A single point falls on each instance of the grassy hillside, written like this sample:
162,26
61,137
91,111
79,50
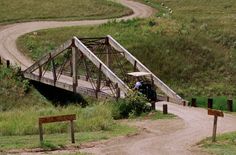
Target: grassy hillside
16,93
28,10
182,54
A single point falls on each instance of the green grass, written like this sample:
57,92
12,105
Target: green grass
15,92
24,121
225,145
55,141
155,115
219,102
30,10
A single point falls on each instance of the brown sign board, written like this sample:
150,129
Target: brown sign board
215,113
61,118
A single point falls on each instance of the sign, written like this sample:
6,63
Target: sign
62,118
215,113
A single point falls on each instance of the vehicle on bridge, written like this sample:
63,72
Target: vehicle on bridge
143,82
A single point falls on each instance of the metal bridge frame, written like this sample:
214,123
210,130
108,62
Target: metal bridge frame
36,72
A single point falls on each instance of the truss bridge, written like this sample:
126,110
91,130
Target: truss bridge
92,66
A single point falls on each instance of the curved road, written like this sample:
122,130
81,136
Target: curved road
10,33
168,137
177,137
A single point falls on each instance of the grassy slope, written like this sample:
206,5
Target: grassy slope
28,10
225,145
179,60
15,92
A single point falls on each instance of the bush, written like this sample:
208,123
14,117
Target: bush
134,104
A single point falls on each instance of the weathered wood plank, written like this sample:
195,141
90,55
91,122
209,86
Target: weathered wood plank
79,89
61,118
215,113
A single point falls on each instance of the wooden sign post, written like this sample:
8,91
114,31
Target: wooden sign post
52,119
216,114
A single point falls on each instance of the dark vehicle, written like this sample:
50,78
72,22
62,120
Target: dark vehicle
147,87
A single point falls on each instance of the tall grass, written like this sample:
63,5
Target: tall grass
16,92
25,121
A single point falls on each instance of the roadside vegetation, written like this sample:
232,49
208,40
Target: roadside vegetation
30,10
225,144
21,106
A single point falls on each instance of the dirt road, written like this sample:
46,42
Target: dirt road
10,33
159,137
169,137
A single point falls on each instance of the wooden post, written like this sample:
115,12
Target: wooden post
74,68
215,113
72,131
99,80
165,109
167,98
0,60
107,52
210,103
194,102
214,129
230,105
61,118
53,69
40,72
8,63
117,91
40,132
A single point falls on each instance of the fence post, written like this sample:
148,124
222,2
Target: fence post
40,132
8,63
165,109
72,131
230,105
210,103
167,98
194,104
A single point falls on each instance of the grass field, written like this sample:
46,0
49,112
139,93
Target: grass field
225,145
56,141
31,10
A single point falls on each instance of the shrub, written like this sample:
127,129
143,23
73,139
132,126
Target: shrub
134,104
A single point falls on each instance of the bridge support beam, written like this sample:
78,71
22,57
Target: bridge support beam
74,67
99,80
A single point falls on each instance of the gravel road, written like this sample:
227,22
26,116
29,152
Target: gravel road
159,137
